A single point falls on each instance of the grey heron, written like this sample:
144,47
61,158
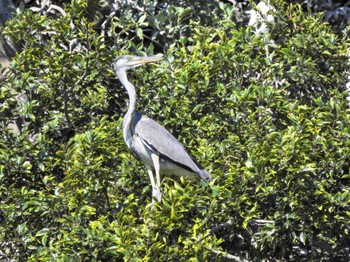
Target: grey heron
150,142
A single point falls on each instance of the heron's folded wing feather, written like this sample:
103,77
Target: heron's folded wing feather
162,143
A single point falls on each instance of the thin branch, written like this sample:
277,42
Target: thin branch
106,22
216,229
154,41
258,222
228,256
57,8
261,222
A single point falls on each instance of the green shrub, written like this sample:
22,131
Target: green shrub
266,115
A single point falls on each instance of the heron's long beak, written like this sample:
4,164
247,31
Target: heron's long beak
143,60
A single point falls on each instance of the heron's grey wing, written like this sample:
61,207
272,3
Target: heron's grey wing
162,143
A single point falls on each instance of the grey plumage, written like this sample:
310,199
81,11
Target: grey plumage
149,141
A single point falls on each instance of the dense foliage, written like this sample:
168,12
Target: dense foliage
265,114
336,12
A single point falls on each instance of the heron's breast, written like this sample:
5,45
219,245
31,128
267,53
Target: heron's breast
141,150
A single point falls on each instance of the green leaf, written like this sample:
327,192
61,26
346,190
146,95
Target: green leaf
139,32
302,237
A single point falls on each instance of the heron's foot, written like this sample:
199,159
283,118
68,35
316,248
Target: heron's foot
156,194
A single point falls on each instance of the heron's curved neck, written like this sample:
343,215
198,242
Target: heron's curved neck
132,101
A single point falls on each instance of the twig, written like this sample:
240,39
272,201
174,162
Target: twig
261,222
258,222
57,8
228,256
216,229
153,41
106,22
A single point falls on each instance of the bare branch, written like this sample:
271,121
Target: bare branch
260,222
106,22
57,8
216,229
228,256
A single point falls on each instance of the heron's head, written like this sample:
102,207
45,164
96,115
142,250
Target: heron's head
129,61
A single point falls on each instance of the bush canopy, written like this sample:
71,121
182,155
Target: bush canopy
265,114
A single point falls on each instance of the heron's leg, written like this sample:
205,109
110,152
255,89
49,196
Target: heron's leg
155,190
150,174
155,159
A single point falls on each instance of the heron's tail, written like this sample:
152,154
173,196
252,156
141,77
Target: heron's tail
204,174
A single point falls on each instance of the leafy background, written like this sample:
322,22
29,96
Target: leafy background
265,114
